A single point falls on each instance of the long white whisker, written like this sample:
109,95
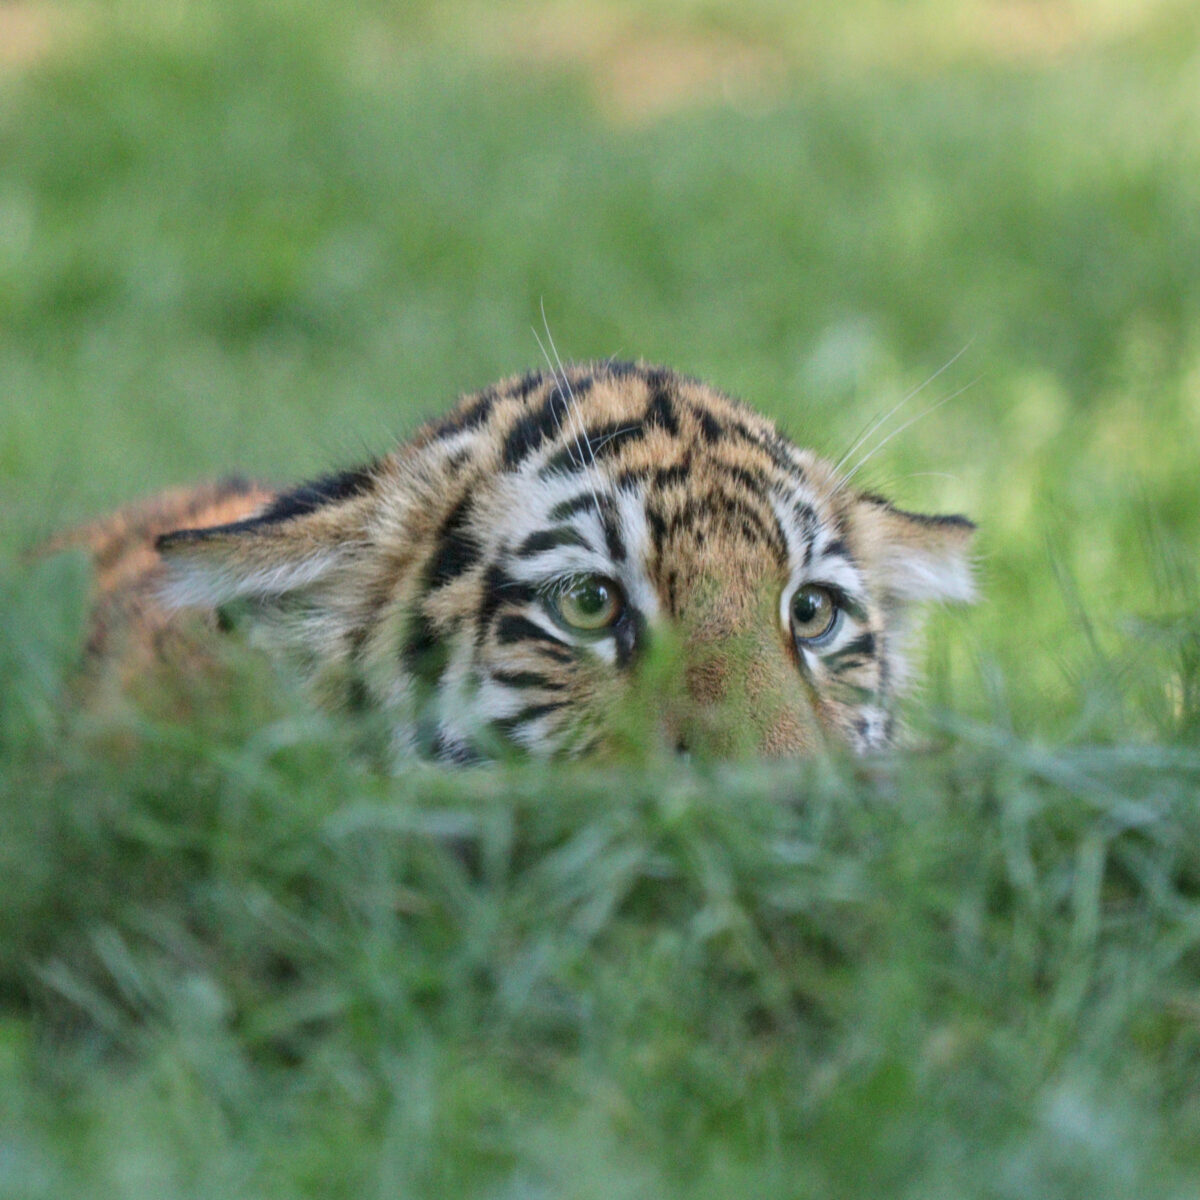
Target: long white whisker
560,380
564,388
888,483
891,412
862,462
924,475
609,437
563,375
577,430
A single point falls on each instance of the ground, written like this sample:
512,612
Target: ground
272,237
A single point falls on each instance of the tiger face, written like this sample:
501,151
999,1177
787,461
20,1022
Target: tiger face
511,576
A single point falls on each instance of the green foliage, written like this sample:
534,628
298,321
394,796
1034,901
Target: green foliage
270,237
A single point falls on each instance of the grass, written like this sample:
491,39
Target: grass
272,237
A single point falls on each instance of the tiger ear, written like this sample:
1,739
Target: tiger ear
301,540
917,558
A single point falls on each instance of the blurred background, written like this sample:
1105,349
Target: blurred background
271,236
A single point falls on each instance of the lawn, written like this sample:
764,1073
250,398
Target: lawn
271,237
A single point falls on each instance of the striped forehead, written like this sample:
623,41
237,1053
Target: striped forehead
598,468
819,544
562,524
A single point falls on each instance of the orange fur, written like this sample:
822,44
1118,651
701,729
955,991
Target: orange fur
129,625
423,585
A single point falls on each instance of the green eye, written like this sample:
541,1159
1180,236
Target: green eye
815,613
589,603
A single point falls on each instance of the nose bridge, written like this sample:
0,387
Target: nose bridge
739,687
721,646
720,592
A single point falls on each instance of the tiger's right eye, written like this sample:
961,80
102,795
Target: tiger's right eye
590,603
815,614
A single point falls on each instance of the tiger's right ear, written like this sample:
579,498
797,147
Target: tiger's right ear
301,540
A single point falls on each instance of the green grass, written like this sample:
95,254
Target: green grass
272,237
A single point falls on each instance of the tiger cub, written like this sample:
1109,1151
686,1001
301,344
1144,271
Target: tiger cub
507,579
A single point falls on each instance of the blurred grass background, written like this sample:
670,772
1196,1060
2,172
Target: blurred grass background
272,236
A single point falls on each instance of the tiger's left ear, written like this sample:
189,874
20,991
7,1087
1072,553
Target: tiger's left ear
298,545
916,558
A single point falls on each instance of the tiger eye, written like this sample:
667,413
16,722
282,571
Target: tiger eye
814,613
590,603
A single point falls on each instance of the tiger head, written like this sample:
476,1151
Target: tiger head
570,559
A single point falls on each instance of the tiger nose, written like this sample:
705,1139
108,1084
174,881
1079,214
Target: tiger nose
733,701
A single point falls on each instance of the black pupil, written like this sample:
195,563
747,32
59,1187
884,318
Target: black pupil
806,607
592,599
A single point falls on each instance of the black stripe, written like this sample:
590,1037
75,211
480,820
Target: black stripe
514,628
953,520
424,652
299,502
591,446
659,412
507,725
710,428
756,485
608,439
666,477
572,457
528,383
658,528
457,548
672,582
863,646
551,539
528,679
629,479
620,370
661,477
569,508
612,535
773,444
453,752
311,496
575,388
780,451
470,415
532,429
499,587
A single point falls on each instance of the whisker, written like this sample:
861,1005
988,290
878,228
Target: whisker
890,481
866,458
891,412
608,437
581,442
564,390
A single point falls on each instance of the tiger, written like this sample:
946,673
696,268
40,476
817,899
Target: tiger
569,558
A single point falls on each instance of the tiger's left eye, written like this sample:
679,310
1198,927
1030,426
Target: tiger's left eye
590,603
815,613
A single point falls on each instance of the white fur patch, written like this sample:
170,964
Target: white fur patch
919,576
197,583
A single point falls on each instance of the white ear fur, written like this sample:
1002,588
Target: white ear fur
293,544
210,579
918,575
917,558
